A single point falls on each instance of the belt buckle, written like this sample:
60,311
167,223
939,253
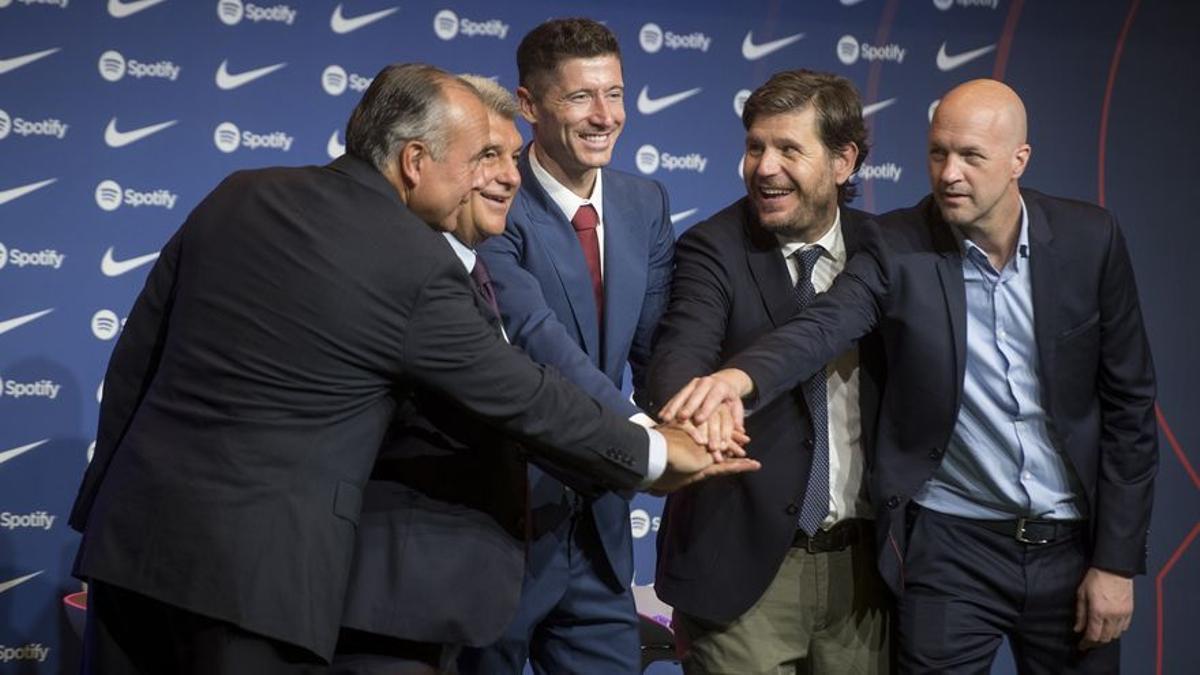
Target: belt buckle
808,543
1020,535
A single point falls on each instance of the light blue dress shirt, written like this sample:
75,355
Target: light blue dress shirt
1002,462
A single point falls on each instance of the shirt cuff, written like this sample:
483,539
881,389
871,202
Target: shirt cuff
643,420
657,461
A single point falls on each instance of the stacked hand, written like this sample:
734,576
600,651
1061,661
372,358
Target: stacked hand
705,429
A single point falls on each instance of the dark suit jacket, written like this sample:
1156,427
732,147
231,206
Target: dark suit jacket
545,294
722,542
249,393
1094,363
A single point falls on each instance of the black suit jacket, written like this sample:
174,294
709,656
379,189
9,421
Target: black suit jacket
722,542
1095,369
259,368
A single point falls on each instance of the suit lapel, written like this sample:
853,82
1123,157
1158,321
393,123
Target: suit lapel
625,269
950,273
1043,260
768,268
558,236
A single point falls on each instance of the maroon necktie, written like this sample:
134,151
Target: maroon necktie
585,222
483,282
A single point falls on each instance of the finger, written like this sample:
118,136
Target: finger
729,467
740,437
1095,628
716,440
739,414
669,410
727,423
715,396
694,398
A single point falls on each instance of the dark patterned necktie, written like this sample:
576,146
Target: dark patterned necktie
816,494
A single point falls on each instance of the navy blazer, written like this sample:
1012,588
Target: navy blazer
1094,363
722,541
545,294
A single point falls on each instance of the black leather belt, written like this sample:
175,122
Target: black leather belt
1036,532
837,538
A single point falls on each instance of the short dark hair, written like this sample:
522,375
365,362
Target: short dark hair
549,44
405,102
836,103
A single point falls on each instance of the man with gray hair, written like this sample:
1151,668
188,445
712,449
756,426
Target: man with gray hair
248,396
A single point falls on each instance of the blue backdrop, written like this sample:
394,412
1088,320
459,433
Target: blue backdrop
117,117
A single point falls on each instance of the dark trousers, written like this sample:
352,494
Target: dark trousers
571,618
967,587
129,633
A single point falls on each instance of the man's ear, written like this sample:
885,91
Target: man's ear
411,160
1021,160
843,162
526,101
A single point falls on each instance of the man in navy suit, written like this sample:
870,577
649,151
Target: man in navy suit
1016,445
582,275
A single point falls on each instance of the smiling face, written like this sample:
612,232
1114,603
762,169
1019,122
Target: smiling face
791,178
440,184
485,211
577,113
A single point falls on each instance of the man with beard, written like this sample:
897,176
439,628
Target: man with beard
1014,463
785,576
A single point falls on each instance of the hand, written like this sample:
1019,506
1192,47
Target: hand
721,433
701,397
1103,607
688,462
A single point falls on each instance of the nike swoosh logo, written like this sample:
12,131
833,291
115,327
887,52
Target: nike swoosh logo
16,452
227,80
120,10
946,62
117,139
335,148
753,52
17,192
13,583
869,110
649,106
10,64
676,217
342,25
18,321
115,268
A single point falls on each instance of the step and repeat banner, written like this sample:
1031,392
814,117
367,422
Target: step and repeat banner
118,116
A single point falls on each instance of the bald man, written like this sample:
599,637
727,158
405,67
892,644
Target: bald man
1016,444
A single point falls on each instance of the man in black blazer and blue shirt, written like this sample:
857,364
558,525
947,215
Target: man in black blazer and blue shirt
785,577
1016,445
260,366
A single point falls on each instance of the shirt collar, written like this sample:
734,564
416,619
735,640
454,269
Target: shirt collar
465,253
1020,255
832,241
567,201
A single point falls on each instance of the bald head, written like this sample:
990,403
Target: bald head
986,105
977,151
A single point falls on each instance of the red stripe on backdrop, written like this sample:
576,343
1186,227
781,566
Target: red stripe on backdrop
1006,38
1108,90
886,18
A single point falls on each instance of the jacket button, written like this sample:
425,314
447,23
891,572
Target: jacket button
893,502
935,453
808,443
792,509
